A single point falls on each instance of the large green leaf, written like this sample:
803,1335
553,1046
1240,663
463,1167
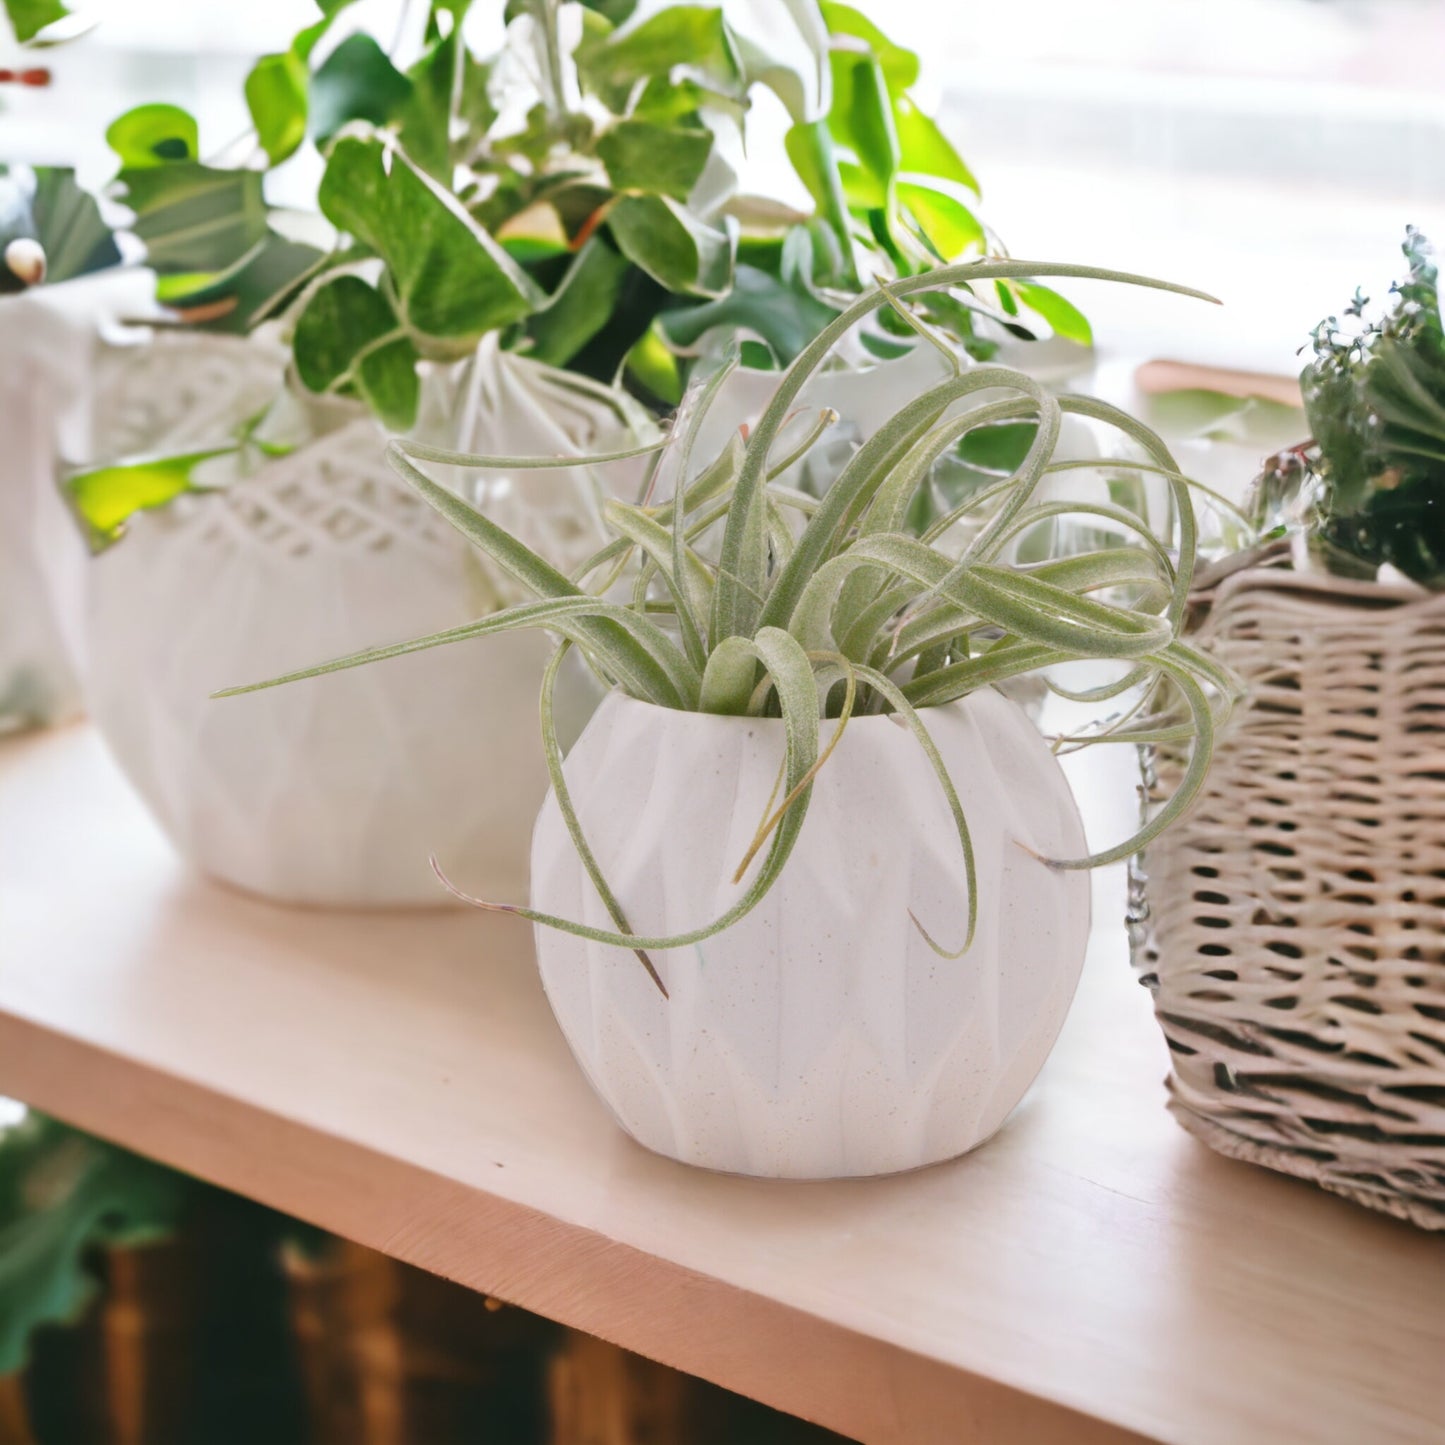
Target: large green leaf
672,245
357,81
276,97
654,159
349,338
29,17
154,135
61,1193
193,217
452,280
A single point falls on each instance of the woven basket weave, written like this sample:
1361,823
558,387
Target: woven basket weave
1292,926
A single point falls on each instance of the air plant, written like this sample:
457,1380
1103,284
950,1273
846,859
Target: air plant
750,598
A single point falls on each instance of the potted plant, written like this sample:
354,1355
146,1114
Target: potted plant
808,891
515,233
1289,928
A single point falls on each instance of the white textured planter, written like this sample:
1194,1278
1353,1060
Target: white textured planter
335,790
50,342
819,1036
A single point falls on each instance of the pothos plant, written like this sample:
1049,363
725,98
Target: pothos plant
1370,484
752,599
575,191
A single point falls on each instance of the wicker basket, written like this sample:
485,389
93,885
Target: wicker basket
1292,926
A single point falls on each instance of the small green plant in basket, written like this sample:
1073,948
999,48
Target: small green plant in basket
803,779
1369,486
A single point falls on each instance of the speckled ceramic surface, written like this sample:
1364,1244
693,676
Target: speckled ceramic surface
819,1036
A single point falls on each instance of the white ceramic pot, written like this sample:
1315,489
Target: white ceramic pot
337,790
50,341
819,1036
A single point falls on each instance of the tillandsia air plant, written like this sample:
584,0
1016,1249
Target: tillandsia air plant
1370,485
751,599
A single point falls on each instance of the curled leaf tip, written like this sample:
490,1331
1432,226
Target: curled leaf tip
938,948
465,897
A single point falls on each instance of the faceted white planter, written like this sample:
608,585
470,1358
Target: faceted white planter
50,341
336,790
819,1036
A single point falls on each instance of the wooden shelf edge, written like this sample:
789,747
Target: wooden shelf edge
821,1371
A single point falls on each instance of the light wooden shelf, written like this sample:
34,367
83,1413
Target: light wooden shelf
1091,1275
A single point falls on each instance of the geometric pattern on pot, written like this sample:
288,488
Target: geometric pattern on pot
819,1036
1290,926
176,390
334,791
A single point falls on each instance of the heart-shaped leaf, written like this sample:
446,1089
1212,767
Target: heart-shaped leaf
452,280
153,135
349,339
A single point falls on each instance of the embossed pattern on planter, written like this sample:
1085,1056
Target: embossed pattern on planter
820,1035
334,790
